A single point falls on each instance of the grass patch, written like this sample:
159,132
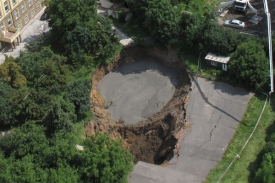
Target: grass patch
192,62
133,30
244,168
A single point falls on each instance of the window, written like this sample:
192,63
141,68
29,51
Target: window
16,14
38,7
2,27
30,3
19,26
32,13
14,2
9,21
23,7
213,63
6,5
26,20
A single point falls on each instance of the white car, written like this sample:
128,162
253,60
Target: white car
234,23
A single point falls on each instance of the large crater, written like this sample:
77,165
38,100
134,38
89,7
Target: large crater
139,97
136,91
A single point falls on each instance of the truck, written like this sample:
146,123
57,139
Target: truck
241,5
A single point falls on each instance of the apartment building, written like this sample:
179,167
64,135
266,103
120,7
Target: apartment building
14,15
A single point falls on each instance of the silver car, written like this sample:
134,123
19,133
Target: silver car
234,23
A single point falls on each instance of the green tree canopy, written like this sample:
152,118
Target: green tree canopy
44,69
27,155
80,32
78,94
159,18
67,14
6,114
249,64
60,116
11,73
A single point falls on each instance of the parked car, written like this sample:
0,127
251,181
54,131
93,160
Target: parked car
234,23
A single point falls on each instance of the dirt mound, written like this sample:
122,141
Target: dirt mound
155,139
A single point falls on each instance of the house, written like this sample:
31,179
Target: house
14,15
216,61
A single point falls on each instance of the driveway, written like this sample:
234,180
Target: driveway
29,33
215,110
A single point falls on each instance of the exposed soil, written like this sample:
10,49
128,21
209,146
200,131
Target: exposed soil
156,139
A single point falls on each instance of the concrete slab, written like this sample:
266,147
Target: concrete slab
215,110
145,172
138,90
255,19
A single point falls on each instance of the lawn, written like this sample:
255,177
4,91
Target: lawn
243,170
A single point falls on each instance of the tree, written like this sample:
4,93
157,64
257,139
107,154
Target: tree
27,155
265,173
29,104
67,14
87,42
11,73
78,94
249,65
60,116
159,18
103,160
81,34
44,70
6,116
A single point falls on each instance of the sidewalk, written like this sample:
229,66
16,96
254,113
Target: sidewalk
29,33
124,40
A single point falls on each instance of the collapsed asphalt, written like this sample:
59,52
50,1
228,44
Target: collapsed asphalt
136,91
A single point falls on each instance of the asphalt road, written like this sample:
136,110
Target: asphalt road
138,90
215,110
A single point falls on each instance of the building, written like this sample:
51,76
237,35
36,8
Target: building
215,61
14,15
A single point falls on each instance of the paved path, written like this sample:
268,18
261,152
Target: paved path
124,39
215,109
29,33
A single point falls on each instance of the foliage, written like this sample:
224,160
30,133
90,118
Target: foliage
30,105
249,65
159,18
84,43
6,116
24,159
220,40
11,73
44,69
78,94
67,14
60,116
81,33
265,173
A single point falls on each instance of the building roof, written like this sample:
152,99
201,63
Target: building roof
221,59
